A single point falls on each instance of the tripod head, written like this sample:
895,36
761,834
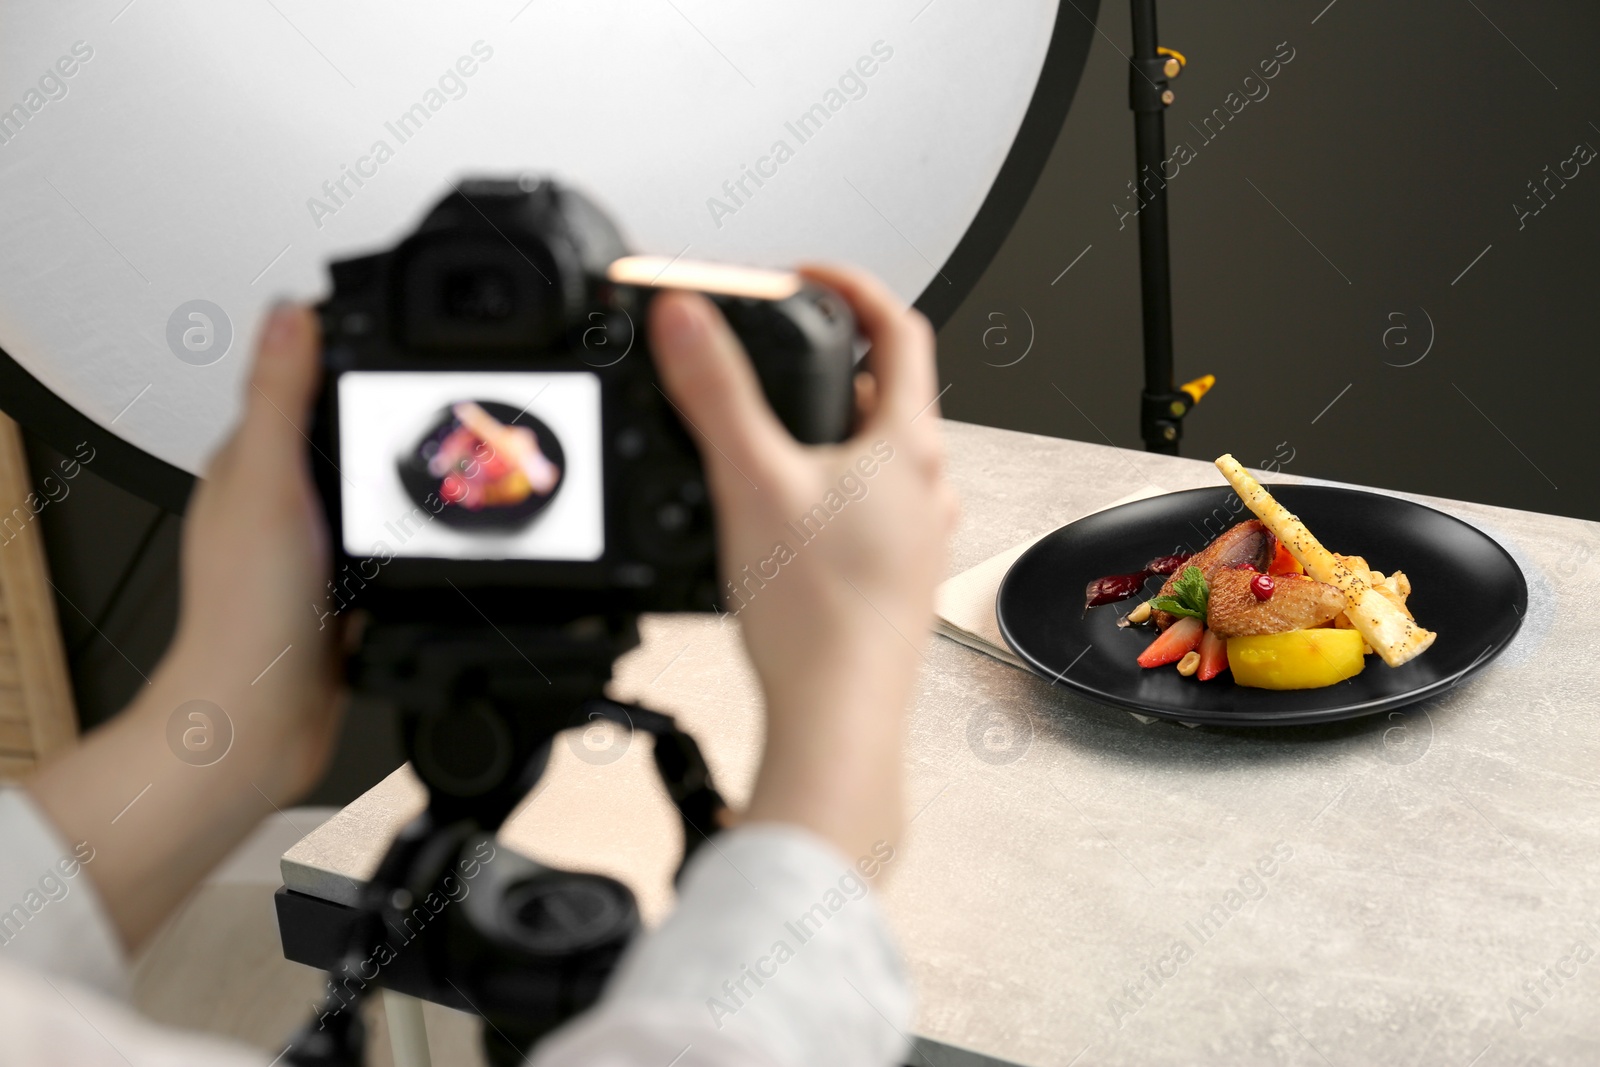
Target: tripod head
521,944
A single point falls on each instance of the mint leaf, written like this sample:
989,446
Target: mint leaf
1190,596
1171,606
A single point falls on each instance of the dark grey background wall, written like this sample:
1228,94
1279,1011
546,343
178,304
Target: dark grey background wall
1385,157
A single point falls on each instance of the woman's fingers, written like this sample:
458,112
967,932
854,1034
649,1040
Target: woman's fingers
901,357
283,381
277,402
707,376
866,390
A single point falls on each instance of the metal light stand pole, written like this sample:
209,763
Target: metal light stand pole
1162,405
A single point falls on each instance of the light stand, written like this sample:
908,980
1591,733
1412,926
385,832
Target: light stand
1162,406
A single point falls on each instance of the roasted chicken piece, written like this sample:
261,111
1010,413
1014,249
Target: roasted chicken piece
1296,603
1247,542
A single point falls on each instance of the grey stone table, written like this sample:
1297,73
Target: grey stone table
1078,888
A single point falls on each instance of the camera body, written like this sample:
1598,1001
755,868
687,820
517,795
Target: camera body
492,443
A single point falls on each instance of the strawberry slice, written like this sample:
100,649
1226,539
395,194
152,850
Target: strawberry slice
1182,636
1213,656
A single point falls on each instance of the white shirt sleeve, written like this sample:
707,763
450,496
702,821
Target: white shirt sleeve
776,956
51,919
62,970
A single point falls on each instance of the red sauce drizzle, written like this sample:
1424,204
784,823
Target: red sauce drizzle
1115,587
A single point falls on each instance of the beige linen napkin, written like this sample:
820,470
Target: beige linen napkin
964,605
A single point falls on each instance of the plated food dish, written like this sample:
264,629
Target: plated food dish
483,465
1246,605
1289,622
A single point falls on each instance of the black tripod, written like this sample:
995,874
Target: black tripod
523,945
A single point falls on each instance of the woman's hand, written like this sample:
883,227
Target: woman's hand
255,571
252,643
830,554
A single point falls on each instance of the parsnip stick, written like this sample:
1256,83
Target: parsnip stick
1386,628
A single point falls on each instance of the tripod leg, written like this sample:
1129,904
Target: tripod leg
408,1033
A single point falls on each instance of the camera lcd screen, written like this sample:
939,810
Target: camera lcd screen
471,465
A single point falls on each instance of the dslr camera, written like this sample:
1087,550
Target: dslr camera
492,437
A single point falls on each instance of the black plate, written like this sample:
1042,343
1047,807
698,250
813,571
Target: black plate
420,485
1465,587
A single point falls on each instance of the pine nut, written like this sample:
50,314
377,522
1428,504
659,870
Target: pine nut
1189,663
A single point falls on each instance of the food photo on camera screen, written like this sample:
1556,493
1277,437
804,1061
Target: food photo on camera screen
472,464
